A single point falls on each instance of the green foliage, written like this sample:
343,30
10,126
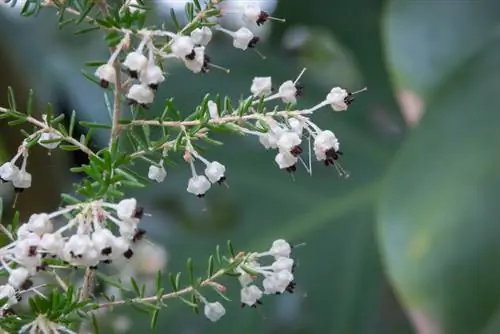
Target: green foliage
440,239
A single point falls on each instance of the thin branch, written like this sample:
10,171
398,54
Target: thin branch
47,128
221,120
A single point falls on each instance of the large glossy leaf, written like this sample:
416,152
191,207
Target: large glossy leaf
438,216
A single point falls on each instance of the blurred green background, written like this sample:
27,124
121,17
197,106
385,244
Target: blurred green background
410,243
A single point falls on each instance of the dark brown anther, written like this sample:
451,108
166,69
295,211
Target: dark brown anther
103,83
129,253
133,74
296,151
221,180
107,261
27,284
153,87
200,195
291,169
191,56
253,42
18,190
291,287
349,98
32,251
139,234
139,212
93,267
300,89
106,251
263,17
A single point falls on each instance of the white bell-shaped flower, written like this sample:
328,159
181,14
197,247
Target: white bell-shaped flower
280,248
286,161
135,62
198,185
251,13
261,86
282,280
141,94
288,142
126,208
49,136
242,38
288,92
337,99
152,76
22,180
106,74
103,241
120,246
323,143
40,223
250,295
201,36
244,278
215,172
182,46
8,171
282,263
23,232
196,63
8,292
214,311
157,174
18,277
52,243
296,125
77,246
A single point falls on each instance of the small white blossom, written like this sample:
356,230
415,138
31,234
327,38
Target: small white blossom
196,64
46,136
251,13
278,282
198,185
201,36
280,248
324,142
8,291
23,232
289,143
296,125
126,208
8,171
22,180
157,174
106,74
215,172
141,94
250,295
135,62
282,264
214,311
152,76
286,160
337,99
18,277
288,92
52,243
213,110
40,223
103,240
261,86
182,46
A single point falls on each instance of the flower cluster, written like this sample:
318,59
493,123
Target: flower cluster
277,278
10,172
87,239
143,72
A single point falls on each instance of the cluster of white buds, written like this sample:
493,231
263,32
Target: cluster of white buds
277,278
10,172
215,172
87,239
